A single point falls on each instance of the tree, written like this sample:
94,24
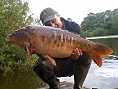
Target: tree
14,14
105,23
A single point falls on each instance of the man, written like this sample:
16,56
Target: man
77,64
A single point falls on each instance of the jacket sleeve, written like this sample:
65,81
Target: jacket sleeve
75,28
71,26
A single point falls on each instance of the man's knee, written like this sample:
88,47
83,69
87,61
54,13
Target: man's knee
40,66
84,60
44,68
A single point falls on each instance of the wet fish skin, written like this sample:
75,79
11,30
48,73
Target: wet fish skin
56,42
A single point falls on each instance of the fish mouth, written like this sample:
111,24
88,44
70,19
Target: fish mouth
7,40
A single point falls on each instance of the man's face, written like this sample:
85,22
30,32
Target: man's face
55,22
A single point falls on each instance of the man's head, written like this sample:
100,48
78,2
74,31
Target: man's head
50,17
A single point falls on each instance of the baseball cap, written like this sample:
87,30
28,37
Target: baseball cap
47,15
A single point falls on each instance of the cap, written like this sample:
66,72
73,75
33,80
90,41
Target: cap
47,14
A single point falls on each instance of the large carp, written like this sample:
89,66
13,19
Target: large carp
56,42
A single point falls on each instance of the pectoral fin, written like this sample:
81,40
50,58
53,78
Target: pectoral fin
49,58
52,61
27,47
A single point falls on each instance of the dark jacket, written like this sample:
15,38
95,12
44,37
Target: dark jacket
71,26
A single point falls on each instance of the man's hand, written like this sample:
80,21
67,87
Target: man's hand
76,53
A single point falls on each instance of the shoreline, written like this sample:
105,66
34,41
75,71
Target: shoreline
101,37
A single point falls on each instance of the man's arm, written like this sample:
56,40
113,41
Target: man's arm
77,51
75,28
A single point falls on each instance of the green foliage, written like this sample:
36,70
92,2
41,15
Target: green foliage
14,14
100,24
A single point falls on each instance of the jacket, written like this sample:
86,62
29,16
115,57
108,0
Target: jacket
71,26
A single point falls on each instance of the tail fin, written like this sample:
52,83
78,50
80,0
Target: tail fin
99,51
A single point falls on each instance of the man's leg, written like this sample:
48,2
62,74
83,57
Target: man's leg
45,70
81,68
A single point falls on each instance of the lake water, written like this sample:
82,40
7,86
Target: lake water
105,77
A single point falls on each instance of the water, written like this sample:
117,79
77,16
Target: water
105,77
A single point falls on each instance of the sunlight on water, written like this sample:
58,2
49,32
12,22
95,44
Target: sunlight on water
109,71
105,77
101,37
